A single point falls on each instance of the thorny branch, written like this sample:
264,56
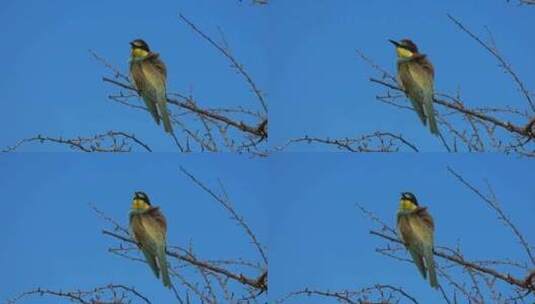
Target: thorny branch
111,141
238,66
376,294
211,273
189,104
375,142
505,129
210,122
480,132
492,202
252,282
236,129
112,293
458,106
504,64
211,281
225,202
477,271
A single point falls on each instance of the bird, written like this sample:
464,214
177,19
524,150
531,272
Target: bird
149,228
416,77
416,228
150,75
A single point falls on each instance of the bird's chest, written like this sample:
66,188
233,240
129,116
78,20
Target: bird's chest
144,229
411,229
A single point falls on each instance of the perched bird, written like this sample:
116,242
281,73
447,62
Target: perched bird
416,228
149,228
150,75
416,77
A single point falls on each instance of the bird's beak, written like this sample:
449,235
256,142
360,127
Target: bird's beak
132,43
394,42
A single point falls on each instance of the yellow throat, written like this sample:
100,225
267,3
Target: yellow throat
404,53
407,206
139,53
139,205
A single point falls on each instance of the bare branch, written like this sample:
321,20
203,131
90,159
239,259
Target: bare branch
459,107
377,294
112,293
459,260
225,202
493,203
194,261
480,273
239,67
209,280
111,141
375,142
504,64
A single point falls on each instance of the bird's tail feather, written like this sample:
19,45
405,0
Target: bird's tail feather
430,112
429,261
164,268
164,113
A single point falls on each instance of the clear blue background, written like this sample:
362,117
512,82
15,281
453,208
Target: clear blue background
300,53
302,206
321,86
51,84
320,240
52,238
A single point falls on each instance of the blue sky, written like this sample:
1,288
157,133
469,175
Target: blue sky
319,239
53,239
52,85
300,53
300,205
322,86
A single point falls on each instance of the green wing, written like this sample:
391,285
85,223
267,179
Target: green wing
149,230
422,76
426,235
156,73
410,239
418,260
411,87
143,86
151,260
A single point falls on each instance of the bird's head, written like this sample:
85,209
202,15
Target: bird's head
408,202
140,48
405,48
140,202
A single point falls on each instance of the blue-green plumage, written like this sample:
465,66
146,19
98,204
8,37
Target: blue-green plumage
149,228
416,229
416,77
150,75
